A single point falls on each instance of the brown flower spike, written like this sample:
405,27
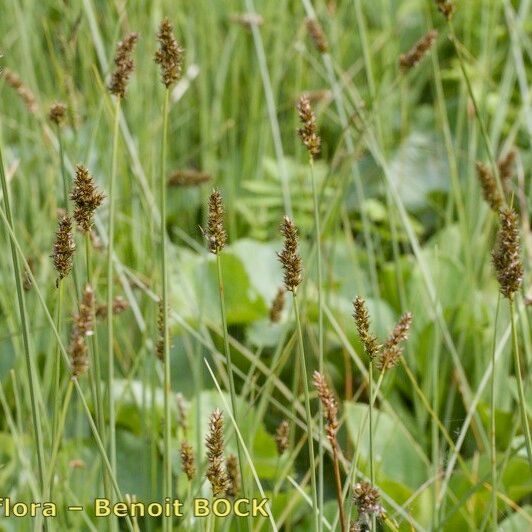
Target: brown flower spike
317,35
418,51
83,327
308,132
63,249
216,472
506,168
330,406
124,65
216,235
188,178
57,113
362,322
289,256
26,95
367,500
446,8
86,197
490,191
233,475
506,254
281,437
169,56
277,305
188,462
392,349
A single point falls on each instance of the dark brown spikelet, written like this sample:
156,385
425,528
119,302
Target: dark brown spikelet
188,178
308,132
418,51
188,461
289,256
281,437
355,526
159,346
83,326
277,305
392,349
119,305
330,406
57,113
488,184
86,197
362,322
63,249
506,254
317,35
27,283
216,235
182,412
216,473
233,475
367,500
446,8
506,165
124,65
169,56
14,81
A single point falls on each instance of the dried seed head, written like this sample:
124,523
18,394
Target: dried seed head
506,168
317,35
188,178
57,113
446,8
506,254
216,235
188,462
169,56
289,256
308,132
63,249
119,306
86,197
26,95
281,437
216,473
356,526
159,346
83,326
367,500
233,475
124,65
489,187
362,322
27,283
330,406
392,349
418,51
277,305
182,411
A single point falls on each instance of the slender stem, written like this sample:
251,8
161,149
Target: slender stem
338,482
520,389
308,413
110,328
371,465
493,441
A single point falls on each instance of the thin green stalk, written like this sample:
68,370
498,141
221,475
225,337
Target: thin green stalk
57,365
520,388
110,328
32,380
308,414
493,426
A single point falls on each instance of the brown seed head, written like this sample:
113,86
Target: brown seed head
308,132
446,8
418,51
392,349
182,411
367,499
27,283
489,187
26,95
119,306
233,475
124,65
216,235
362,322
216,473
63,249
507,255
289,256
317,35
188,178
188,462
281,437
159,346
330,406
277,305
57,113
169,56
83,326
506,166
247,19
86,197
356,526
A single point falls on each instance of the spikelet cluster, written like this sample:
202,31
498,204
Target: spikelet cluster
216,472
14,81
233,475
392,349
83,326
188,178
289,256
506,254
446,8
124,65
216,234
57,113
362,323
86,197
418,51
282,432
308,132
367,500
182,412
27,283
169,56
329,404
63,248
119,305
506,166
317,35
490,191
277,306
188,461
159,346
